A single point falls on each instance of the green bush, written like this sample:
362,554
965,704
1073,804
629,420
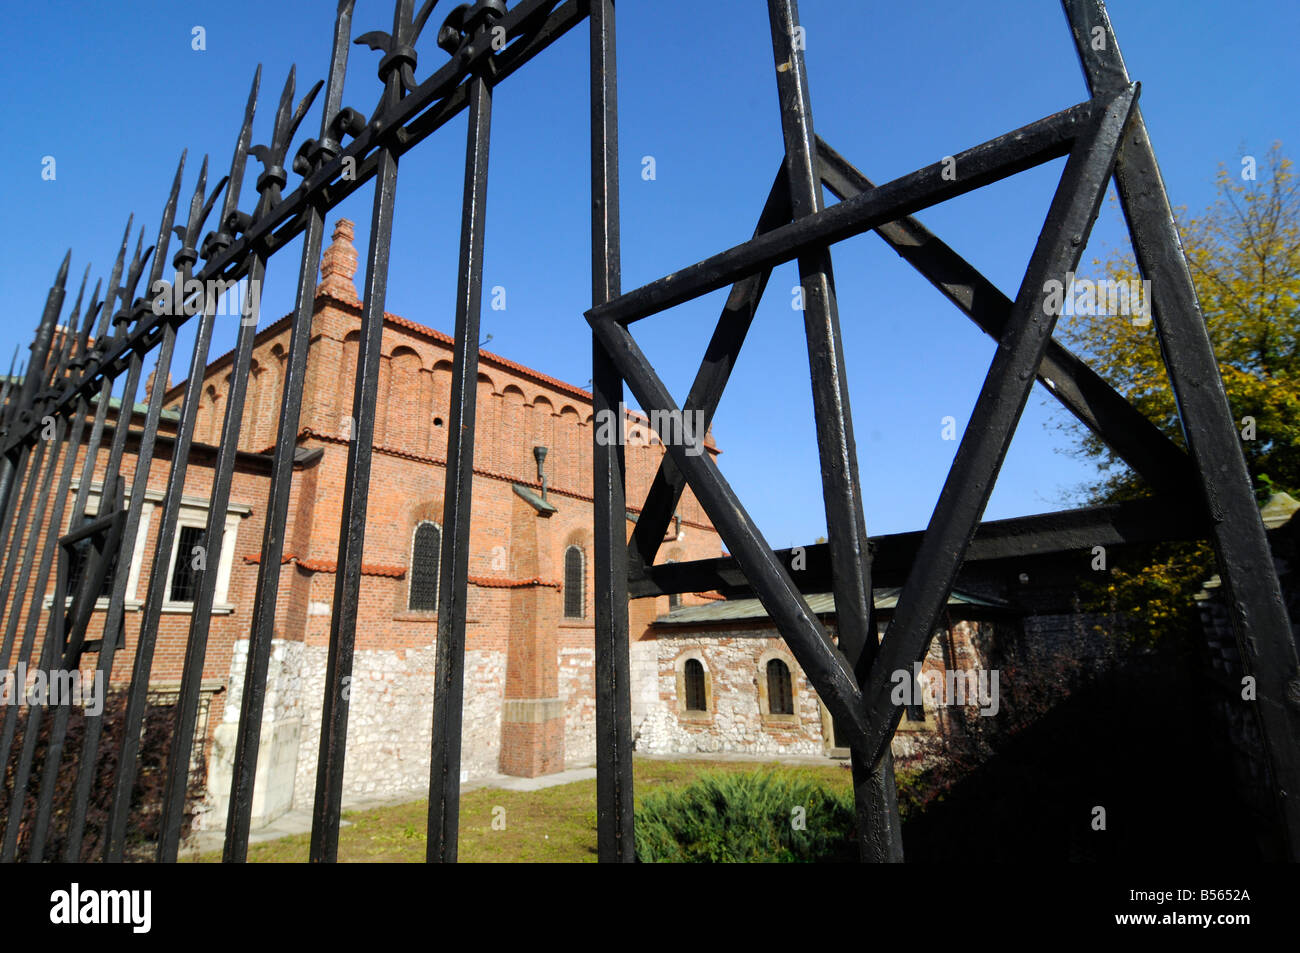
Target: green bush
747,818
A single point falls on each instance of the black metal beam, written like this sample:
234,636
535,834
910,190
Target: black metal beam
710,380
893,555
1080,389
997,411
825,665
1029,146
1264,633
880,838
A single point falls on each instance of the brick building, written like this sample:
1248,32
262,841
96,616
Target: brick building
529,694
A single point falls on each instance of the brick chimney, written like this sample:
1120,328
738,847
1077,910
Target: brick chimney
338,265
148,385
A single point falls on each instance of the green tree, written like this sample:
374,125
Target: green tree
1244,256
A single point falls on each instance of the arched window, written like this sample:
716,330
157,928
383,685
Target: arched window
426,549
696,699
780,698
575,578
674,598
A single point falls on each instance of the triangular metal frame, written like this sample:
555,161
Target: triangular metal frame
1103,136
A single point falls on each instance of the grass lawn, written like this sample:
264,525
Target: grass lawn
553,825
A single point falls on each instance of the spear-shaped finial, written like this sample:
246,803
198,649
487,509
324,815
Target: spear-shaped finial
76,307
221,239
70,336
138,262
83,339
113,288
273,179
188,253
62,279
165,227
334,122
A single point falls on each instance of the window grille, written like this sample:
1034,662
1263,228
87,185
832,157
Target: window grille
425,554
185,578
780,697
695,695
575,596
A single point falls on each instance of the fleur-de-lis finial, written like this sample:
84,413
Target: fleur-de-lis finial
188,253
127,291
335,122
273,178
399,47
82,356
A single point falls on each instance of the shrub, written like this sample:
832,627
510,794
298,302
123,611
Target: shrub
747,818
146,803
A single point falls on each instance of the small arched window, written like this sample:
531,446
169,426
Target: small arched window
674,598
780,698
696,699
575,578
426,550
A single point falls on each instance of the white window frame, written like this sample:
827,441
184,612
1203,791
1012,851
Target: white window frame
197,518
193,512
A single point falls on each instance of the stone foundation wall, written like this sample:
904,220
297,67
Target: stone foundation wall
734,662
577,672
390,721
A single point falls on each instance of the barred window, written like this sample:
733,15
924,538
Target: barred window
696,698
426,551
780,698
575,578
185,578
80,559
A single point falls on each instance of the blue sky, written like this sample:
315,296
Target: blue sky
114,92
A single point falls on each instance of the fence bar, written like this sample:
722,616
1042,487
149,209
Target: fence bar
188,254
453,568
115,618
269,184
261,634
356,486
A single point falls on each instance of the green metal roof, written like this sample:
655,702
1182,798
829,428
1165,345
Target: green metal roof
115,402
821,603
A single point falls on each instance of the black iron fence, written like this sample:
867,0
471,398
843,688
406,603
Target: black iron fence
61,403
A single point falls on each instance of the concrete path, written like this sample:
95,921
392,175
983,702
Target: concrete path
299,821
